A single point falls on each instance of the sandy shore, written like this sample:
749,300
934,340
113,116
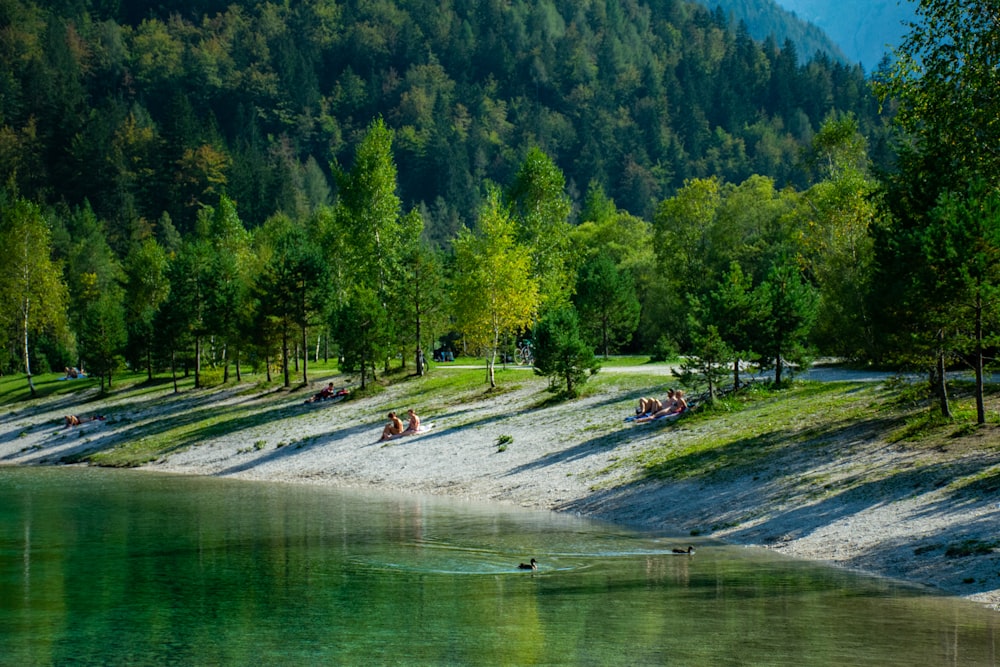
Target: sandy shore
574,457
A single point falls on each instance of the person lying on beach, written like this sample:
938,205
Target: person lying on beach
394,427
673,408
327,393
324,393
73,420
650,406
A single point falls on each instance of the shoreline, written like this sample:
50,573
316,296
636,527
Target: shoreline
576,457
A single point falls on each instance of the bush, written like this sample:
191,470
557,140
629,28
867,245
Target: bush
664,350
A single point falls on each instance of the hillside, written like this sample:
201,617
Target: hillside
772,19
147,112
854,31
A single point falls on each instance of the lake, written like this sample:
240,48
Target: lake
106,567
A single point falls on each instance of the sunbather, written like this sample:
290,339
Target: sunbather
650,406
324,393
73,420
673,408
413,425
393,428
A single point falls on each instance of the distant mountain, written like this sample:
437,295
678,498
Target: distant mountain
766,18
864,29
853,31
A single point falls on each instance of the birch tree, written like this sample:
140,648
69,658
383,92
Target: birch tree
494,291
32,294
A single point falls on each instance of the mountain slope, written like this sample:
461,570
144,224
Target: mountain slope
864,29
766,18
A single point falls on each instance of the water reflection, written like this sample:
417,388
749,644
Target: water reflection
109,567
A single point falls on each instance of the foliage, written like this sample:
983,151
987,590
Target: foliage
369,220
943,81
607,304
561,352
144,108
493,291
708,364
541,208
791,310
962,250
32,294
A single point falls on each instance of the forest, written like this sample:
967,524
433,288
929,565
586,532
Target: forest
195,185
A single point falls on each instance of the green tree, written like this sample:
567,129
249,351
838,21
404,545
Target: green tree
360,326
102,333
32,294
229,282
840,212
942,87
791,312
494,291
183,321
607,303
736,314
293,288
542,207
146,288
942,84
560,350
370,219
708,363
963,251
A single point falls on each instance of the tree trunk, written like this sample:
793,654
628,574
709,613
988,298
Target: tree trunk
27,354
305,355
239,374
173,369
980,405
197,362
284,353
942,385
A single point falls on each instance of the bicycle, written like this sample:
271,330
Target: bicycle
524,355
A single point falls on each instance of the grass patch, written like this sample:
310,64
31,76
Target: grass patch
970,548
741,431
502,442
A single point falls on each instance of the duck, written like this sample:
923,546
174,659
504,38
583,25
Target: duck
533,565
689,550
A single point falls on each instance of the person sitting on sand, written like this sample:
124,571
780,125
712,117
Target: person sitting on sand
394,427
324,393
413,425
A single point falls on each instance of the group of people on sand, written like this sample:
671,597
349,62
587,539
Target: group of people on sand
650,409
395,428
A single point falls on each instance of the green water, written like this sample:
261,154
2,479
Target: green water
128,568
